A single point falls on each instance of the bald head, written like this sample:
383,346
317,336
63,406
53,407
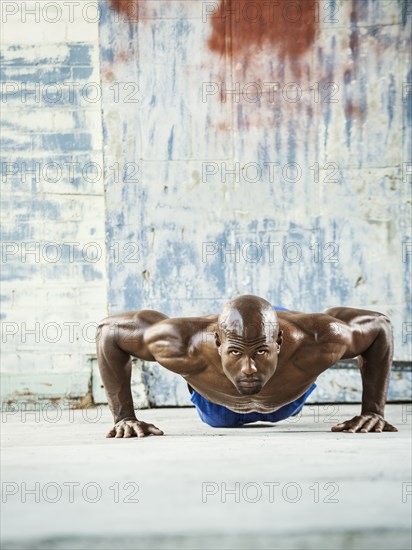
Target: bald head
248,341
248,317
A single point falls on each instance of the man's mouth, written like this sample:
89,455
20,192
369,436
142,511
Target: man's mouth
249,383
249,387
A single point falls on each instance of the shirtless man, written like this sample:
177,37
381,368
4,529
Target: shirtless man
247,364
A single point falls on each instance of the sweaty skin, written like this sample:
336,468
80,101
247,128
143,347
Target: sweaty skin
247,358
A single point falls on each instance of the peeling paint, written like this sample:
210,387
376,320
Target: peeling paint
352,131
239,24
347,212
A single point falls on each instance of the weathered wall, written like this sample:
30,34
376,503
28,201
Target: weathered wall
263,151
53,250
271,144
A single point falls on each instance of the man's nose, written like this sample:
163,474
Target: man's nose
248,366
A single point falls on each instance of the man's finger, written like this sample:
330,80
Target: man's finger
119,431
112,433
154,430
380,425
354,427
128,432
354,424
368,425
138,430
389,428
339,427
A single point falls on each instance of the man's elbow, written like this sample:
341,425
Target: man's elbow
385,326
384,320
106,330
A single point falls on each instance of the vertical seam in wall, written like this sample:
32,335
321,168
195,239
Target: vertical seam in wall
103,160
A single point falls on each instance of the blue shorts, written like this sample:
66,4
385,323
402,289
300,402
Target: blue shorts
219,416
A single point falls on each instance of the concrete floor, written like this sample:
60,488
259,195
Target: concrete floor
291,485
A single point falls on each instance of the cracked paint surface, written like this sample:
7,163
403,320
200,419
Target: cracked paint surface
300,201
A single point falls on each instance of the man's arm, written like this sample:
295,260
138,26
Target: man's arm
370,338
119,337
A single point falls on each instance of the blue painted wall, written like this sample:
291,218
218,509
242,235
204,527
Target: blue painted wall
299,195
262,152
53,240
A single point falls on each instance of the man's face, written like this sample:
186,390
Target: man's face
249,363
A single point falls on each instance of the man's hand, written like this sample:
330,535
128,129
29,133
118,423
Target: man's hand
367,422
133,428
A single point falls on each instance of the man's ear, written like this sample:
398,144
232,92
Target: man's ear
279,339
217,340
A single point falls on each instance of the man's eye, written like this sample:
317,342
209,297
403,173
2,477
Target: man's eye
260,352
235,352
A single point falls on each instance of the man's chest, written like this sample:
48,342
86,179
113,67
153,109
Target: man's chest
280,390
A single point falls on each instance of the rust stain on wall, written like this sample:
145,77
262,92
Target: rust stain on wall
239,24
354,112
128,8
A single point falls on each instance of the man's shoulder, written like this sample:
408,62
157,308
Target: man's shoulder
324,328
173,343
182,332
